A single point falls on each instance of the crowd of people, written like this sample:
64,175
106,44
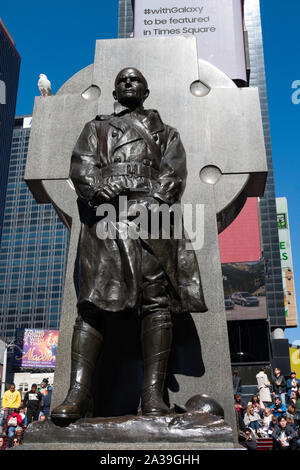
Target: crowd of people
17,414
274,412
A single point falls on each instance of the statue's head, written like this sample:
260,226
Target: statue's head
131,87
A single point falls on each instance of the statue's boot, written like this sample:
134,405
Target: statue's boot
86,346
156,345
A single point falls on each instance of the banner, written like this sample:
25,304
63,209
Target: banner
38,348
217,25
295,359
245,290
240,241
286,262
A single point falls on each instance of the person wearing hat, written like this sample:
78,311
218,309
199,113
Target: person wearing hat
47,401
292,384
44,385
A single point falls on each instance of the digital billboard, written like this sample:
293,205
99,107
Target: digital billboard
240,241
245,290
216,24
286,262
295,359
38,348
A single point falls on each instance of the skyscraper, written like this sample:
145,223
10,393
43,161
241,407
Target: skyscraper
270,240
268,215
9,77
125,18
33,250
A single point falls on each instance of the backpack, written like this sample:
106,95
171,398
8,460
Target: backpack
13,421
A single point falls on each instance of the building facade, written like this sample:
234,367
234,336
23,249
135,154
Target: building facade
269,232
33,250
125,18
9,77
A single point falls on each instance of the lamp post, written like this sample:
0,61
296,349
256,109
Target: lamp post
7,345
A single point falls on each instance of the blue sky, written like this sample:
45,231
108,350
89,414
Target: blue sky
59,40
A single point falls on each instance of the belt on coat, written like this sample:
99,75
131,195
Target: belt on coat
129,169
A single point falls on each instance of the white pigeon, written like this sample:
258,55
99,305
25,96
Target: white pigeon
44,85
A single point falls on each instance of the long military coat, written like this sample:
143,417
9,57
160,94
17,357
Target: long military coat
110,270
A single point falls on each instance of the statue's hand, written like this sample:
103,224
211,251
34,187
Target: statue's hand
107,193
110,191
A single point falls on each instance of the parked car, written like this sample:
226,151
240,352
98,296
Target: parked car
245,299
229,303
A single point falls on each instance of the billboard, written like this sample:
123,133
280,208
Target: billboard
217,25
241,240
286,262
38,348
295,359
245,290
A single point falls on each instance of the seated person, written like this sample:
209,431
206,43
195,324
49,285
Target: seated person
290,422
247,438
22,412
293,398
278,408
265,424
239,408
252,419
284,436
290,412
272,425
13,421
257,404
3,442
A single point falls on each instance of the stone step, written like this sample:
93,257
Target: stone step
246,398
264,443
249,389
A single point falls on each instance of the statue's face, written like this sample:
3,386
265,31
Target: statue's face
131,88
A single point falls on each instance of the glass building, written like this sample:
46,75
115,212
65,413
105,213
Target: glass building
9,77
33,250
268,219
125,18
269,232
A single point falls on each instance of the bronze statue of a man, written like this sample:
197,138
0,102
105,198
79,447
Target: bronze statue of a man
130,152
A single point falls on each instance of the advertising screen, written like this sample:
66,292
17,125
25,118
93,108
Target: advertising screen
38,348
245,290
240,242
295,359
286,262
216,24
